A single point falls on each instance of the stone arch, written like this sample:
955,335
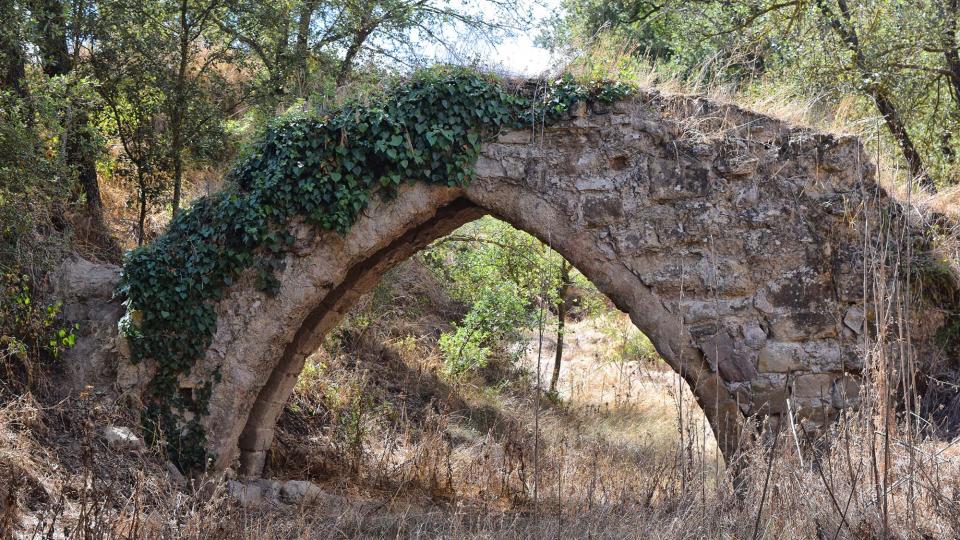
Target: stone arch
428,214
734,242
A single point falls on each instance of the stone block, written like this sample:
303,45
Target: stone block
301,492
737,367
815,385
247,494
845,393
800,290
802,325
601,209
488,167
78,279
766,382
777,357
763,304
853,319
518,136
670,181
814,415
642,239
753,336
723,356
697,311
770,402
822,356
122,438
251,463
716,346
259,439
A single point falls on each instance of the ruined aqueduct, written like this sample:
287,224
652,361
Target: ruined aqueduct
738,243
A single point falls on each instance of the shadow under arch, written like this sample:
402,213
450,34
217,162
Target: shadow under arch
733,253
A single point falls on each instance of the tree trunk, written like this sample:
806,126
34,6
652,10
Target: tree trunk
303,41
51,19
142,193
12,58
352,51
281,59
562,309
177,110
898,129
80,144
845,29
80,150
950,52
177,175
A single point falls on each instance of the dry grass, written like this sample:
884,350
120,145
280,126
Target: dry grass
121,206
402,451
625,453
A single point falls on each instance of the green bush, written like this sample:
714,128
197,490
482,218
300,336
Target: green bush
30,334
497,316
33,180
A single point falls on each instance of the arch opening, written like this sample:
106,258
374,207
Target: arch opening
385,397
258,430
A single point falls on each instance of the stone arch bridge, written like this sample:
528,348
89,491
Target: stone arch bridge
742,246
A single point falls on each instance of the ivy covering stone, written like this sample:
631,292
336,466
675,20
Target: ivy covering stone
322,169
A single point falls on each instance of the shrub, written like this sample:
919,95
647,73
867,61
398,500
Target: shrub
30,334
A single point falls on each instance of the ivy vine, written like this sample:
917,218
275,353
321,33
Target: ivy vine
324,169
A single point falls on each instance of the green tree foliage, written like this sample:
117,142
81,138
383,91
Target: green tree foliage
38,69
310,47
163,69
501,274
509,280
900,58
494,319
12,54
36,182
171,75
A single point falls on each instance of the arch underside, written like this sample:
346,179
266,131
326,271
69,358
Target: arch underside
736,247
257,436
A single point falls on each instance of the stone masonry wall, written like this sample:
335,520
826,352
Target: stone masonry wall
736,242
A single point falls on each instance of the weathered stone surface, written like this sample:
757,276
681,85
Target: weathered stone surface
736,248
721,249
813,415
854,319
777,357
753,336
256,492
301,492
248,494
770,402
671,181
803,324
602,209
78,280
723,356
86,290
845,392
122,438
822,356
174,474
813,386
